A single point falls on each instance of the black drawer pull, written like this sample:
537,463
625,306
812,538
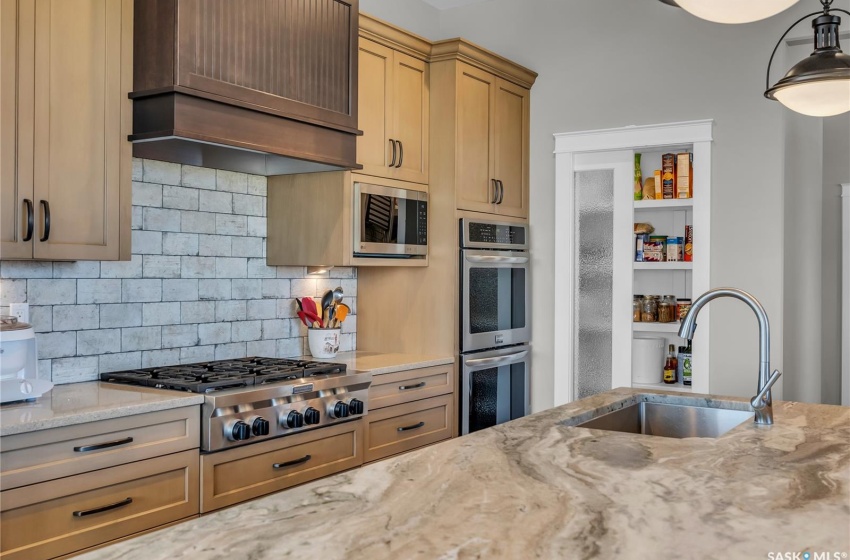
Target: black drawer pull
413,427
300,461
116,505
400,153
105,445
30,219
408,387
45,206
392,142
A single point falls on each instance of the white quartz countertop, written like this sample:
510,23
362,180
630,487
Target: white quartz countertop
540,487
77,403
379,363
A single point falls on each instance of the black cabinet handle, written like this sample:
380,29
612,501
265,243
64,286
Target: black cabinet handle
400,153
413,427
45,206
408,387
30,219
495,196
104,445
392,143
116,505
300,461
501,191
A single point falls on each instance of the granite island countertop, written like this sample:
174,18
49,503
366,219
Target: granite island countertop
538,487
89,401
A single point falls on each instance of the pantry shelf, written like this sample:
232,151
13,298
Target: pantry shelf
666,204
656,327
664,265
664,387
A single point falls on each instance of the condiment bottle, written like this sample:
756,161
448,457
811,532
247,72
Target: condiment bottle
686,365
670,366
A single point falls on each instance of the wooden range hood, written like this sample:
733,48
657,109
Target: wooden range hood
268,88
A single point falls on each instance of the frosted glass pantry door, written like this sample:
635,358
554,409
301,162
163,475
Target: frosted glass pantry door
599,349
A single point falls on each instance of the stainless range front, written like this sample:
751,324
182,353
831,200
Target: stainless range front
256,399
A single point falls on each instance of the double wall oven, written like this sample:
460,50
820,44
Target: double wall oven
495,323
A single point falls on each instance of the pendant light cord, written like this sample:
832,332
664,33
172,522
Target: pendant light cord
826,10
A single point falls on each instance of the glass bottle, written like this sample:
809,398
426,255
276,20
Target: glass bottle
686,365
670,366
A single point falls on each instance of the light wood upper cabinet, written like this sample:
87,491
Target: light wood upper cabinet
393,103
492,143
72,163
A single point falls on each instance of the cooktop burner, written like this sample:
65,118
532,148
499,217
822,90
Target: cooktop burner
205,377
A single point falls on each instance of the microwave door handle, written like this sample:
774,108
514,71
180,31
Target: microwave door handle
493,259
496,361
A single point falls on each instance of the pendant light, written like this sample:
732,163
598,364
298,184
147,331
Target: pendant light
735,11
818,85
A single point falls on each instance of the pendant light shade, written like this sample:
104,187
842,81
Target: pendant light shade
818,85
735,11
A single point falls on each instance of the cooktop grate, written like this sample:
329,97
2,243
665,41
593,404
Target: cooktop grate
205,377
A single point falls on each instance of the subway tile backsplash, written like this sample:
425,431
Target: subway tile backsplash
197,287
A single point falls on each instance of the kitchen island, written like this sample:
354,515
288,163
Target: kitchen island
539,487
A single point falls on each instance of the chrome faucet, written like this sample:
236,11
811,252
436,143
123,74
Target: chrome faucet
762,403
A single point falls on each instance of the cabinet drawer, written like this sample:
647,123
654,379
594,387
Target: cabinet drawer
62,516
48,454
400,428
410,385
239,474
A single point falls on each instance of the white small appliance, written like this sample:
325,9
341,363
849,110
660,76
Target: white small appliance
19,362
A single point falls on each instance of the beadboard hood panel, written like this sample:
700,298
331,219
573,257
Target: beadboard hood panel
257,86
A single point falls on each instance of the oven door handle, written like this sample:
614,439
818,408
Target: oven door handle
493,259
496,361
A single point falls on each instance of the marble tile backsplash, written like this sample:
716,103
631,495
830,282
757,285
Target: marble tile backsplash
197,287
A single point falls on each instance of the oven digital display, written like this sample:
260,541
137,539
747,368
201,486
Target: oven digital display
493,233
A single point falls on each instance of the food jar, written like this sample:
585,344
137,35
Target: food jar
649,310
682,307
637,305
673,306
666,312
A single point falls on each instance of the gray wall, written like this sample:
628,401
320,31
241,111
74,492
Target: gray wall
197,287
836,170
609,63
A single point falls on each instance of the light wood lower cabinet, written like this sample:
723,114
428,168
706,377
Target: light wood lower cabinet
69,514
410,385
235,475
48,454
403,427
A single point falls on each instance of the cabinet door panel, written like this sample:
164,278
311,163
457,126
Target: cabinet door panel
475,138
78,136
375,95
411,117
511,162
14,79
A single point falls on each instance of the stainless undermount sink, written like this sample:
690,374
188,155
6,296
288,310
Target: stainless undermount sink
670,420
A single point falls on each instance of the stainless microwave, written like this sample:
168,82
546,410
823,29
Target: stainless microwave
390,222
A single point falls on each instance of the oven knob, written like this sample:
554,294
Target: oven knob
294,420
239,431
260,427
339,410
356,406
312,416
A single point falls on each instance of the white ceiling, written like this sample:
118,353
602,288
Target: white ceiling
445,4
